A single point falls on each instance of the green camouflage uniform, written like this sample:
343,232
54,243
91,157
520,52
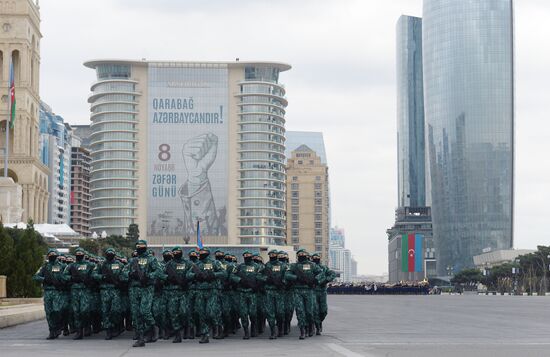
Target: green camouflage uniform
55,298
141,273
205,274
274,272
79,275
320,293
160,304
176,292
303,274
108,275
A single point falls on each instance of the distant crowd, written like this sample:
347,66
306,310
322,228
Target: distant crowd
369,288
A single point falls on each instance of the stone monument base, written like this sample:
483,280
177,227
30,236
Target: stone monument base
11,201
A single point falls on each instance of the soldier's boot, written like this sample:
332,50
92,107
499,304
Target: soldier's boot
51,336
321,326
128,323
218,333
136,335
177,338
246,333
150,335
318,329
155,334
191,333
311,330
66,331
253,331
87,331
261,326
273,332
109,334
280,328
140,342
79,334
302,333
96,327
204,338
161,334
287,328
225,331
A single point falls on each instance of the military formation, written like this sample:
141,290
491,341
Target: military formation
179,296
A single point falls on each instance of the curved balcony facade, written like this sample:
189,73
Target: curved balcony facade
114,150
261,145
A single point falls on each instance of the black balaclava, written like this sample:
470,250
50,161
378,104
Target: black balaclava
203,254
141,250
302,258
281,258
247,258
273,258
220,257
228,259
316,259
167,257
193,257
177,254
110,256
52,258
79,257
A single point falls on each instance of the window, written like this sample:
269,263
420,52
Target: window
317,178
318,232
296,247
294,178
318,240
295,225
318,194
318,248
294,217
318,201
317,186
294,186
295,201
318,225
318,209
311,162
295,194
295,209
318,217
295,240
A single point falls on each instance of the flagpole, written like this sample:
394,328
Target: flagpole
8,119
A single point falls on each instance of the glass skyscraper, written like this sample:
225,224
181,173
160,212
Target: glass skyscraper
410,114
468,64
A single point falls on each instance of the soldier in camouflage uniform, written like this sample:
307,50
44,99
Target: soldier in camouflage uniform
176,291
142,272
320,293
247,276
288,294
205,273
108,275
230,312
223,285
51,277
79,276
260,296
193,323
160,305
274,272
303,274
95,312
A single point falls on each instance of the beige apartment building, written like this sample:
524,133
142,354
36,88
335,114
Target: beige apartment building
20,42
80,189
308,202
174,143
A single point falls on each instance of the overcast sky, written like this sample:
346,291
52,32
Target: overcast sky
342,83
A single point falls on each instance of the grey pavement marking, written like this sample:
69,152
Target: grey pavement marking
345,352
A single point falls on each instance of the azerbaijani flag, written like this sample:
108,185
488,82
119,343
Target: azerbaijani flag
12,95
199,239
411,253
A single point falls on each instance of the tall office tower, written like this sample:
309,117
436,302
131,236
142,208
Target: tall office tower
468,63
307,202
410,114
80,188
55,152
20,43
174,143
337,237
313,139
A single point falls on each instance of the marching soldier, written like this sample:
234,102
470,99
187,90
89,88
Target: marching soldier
141,273
303,274
274,294
51,277
79,275
177,293
320,293
108,275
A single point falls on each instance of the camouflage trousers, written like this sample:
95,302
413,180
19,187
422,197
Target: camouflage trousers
141,301
207,309
54,305
288,296
248,307
228,308
111,307
274,307
160,312
303,303
178,308
320,306
81,303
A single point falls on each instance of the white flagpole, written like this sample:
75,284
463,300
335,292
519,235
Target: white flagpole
6,149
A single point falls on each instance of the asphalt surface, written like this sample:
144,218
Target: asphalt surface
356,326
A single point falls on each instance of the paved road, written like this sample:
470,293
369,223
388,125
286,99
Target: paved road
356,326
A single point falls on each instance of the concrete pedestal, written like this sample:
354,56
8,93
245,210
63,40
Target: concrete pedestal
11,201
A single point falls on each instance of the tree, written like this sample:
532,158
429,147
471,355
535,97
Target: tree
133,233
7,250
468,277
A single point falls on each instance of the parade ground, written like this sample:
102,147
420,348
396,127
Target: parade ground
467,325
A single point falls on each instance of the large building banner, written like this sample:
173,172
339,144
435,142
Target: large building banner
188,150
